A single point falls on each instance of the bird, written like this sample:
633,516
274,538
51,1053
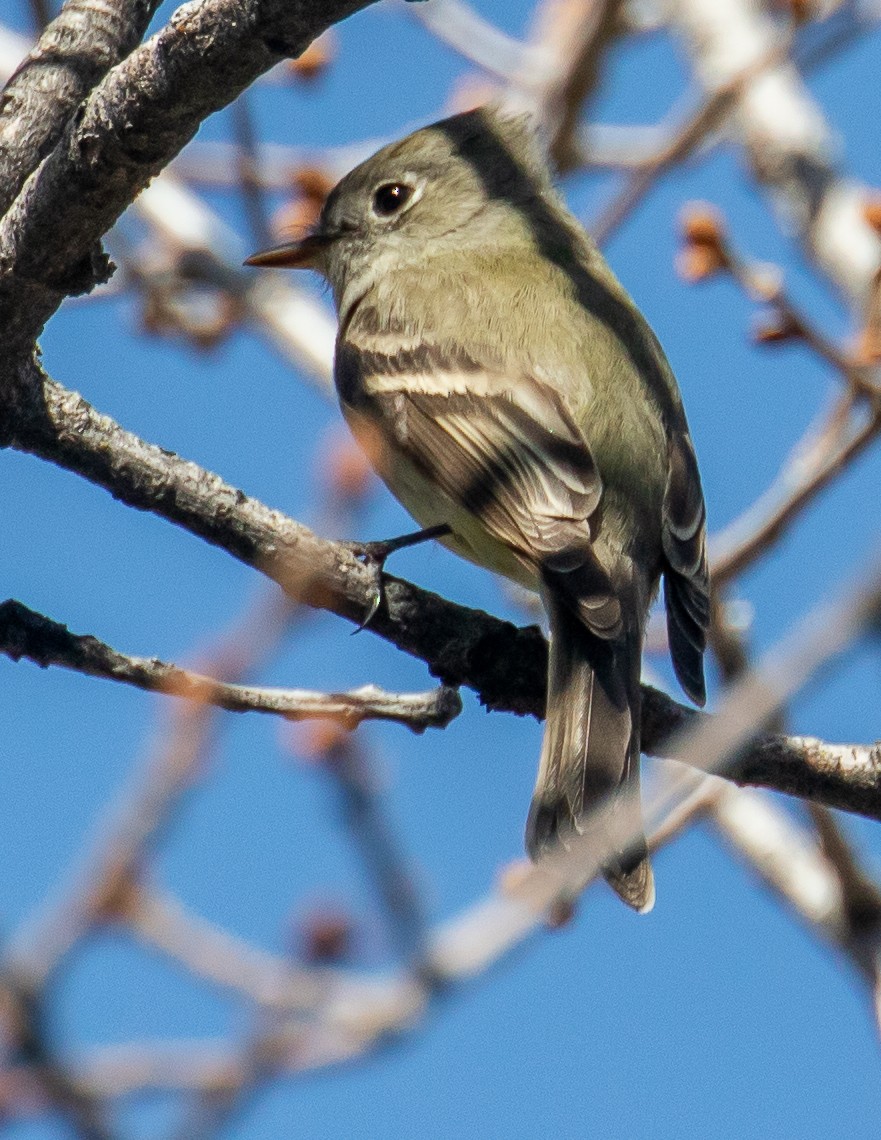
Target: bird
508,391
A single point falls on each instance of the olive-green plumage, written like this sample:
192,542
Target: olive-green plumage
504,383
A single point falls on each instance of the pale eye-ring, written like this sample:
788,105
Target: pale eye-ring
391,197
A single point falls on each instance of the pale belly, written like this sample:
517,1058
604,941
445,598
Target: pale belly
430,506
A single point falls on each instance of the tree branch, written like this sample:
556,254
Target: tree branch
786,138
504,665
24,633
129,128
73,54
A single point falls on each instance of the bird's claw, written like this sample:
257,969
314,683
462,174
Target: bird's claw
374,556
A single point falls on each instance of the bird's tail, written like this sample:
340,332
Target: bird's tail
591,747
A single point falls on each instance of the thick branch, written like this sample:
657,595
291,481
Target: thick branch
504,665
73,54
461,646
24,633
132,125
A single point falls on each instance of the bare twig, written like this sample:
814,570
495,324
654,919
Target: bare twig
822,454
126,131
50,1078
456,24
248,172
293,321
571,37
379,849
24,633
471,943
218,957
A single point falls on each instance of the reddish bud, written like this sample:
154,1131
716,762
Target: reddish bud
319,740
513,875
697,263
702,224
561,913
315,60
347,470
775,330
313,182
327,936
868,349
798,10
703,235
872,212
296,218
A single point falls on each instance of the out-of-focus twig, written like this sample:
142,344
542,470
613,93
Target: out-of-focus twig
218,957
785,135
292,320
831,443
471,943
571,37
505,665
682,140
25,1012
248,172
460,27
343,758
822,454
215,164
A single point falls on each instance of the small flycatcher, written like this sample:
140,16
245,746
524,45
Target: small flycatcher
504,383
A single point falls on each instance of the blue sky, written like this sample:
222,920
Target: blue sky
718,1015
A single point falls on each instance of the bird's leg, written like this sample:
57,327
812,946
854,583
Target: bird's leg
374,555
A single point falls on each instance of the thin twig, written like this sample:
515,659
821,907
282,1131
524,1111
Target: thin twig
24,633
817,459
705,119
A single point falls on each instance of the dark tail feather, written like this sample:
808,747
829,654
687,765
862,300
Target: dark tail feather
688,617
590,747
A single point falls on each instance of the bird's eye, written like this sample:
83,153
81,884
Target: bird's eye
390,197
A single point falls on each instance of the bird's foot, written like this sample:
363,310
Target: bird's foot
374,555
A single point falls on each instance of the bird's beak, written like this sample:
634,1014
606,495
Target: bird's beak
303,254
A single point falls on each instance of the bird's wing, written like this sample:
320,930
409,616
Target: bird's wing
686,579
509,452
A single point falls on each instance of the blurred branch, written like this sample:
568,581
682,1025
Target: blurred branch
216,956
708,250
107,876
344,760
298,325
860,900
215,163
24,633
41,11
680,141
248,172
456,24
830,444
47,1077
475,940
821,455
824,885
786,137
571,38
